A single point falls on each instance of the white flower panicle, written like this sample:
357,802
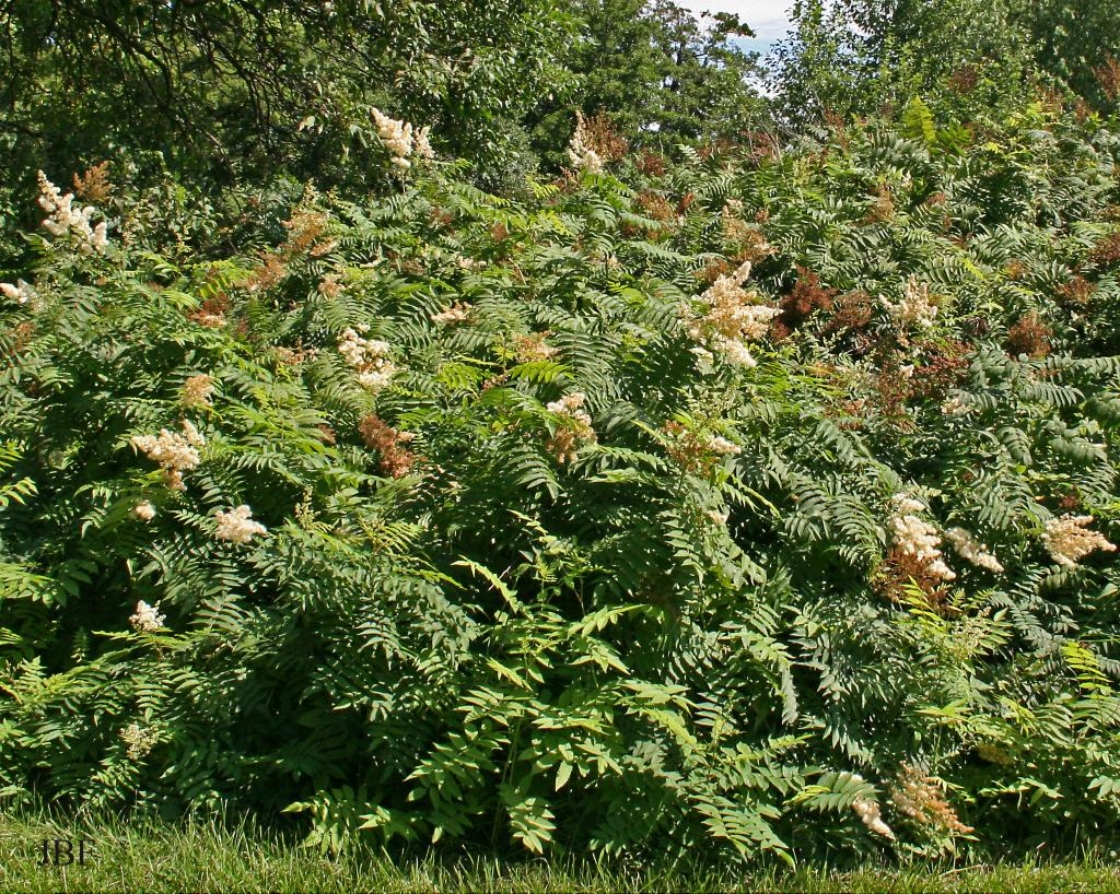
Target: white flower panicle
915,308
457,313
144,510
735,352
21,292
580,153
147,618
577,429
972,550
954,406
140,740
420,145
370,357
905,504
731,318
1068,541
570,405
197,391
66,218
174,452
868,812
720,445
237,525
401,140
916,537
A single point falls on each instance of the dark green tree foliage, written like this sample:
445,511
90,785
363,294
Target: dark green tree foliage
1077,42
661,74
967,59
247,89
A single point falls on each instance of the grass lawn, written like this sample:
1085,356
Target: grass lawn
206,857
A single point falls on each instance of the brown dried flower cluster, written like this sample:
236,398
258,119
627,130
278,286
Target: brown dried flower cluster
696,451
1078,291
807,297
574,429
94,185
1108,76
305,228
1029,336
747,242
964,79
532,348
595,143
882,206
652,164
921,799
1107,250
941,370
273,269
395,460
852,311
212,313
656,206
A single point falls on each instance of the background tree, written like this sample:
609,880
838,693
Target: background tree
967,59
1077,43
661,73
246,89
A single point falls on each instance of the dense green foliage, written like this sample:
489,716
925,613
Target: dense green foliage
714,494
537,554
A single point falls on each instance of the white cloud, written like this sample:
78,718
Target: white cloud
769,18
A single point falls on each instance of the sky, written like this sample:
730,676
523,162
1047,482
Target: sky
767,17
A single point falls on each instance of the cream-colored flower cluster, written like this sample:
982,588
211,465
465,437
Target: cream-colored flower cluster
721,446
68,218
921,798
237,525
955,406
732,317
869,814
533,349
369,357
140,740
971,549
915,308
197,391
916,537
401,140
174,452
147,618
21,292
1067,540
576,430
456,313
144,510
580,152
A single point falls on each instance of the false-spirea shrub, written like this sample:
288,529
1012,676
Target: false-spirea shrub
760,503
